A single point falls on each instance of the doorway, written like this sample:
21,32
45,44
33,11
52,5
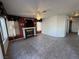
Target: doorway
74,26
70,26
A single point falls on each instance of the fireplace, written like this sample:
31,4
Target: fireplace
29,32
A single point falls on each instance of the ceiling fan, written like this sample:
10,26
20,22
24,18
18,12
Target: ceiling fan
76,13
39,14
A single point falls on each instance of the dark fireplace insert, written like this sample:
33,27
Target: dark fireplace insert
29,33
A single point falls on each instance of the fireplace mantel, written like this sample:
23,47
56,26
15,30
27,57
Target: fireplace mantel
29,28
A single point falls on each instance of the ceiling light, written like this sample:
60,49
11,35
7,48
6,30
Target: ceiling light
76,13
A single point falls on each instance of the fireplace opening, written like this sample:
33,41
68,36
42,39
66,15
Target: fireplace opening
29,33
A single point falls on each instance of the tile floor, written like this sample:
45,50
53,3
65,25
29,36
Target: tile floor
45,47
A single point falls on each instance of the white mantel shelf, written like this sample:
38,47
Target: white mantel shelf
29,28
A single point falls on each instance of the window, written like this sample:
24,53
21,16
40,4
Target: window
39,26
3,29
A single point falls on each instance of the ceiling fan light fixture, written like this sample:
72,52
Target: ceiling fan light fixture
76,14
38,16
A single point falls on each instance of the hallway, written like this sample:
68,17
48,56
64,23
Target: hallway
45,47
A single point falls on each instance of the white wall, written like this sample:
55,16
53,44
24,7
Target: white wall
55,26
1,55
75,25
67,26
